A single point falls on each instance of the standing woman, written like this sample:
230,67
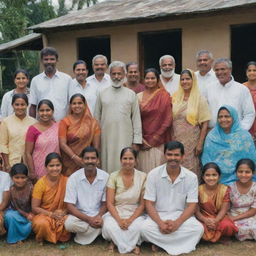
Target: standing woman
41,139
190,119
21,80
77,131
13,130
156,117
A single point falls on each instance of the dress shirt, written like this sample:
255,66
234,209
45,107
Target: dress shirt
100,85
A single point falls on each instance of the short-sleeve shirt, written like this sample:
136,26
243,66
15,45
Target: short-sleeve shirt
5,183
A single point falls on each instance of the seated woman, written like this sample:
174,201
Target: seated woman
48,203
227,143
243,200
125,204
18,218
213,206
41,139
76,132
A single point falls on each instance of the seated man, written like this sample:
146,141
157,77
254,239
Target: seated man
85,198
171,197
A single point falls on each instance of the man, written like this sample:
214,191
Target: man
133,78
205,74
50,84
99,79
80,85
85,198
168,78
171,197
229,92
117,110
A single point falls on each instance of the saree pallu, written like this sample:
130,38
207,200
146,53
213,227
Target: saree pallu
210,207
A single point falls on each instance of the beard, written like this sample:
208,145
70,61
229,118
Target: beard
49,69
167,74
117,83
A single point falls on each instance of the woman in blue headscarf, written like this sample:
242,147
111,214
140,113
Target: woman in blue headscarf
227,143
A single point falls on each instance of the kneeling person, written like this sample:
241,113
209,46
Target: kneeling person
85,198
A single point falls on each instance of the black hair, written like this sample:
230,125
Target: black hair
23,71
253,63
186,71
19,96
45,102
79,62
222,108
52,156
49,51
128,149
89,149
81,96
211,165
19,168
246,161
153,70
131,64
174,145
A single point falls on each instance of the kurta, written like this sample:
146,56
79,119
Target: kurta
117,110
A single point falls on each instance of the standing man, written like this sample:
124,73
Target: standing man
100,79
171,198
205,74
133,78
168,78
50,84
226,91
117,110
85,198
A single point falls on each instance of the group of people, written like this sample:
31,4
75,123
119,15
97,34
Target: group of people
57,133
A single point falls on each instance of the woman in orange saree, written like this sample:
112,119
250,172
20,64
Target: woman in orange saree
48,203
77,131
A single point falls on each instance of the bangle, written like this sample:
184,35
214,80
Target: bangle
73,156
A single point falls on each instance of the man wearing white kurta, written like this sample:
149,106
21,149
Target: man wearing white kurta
117,110
226,91
85,198
171,198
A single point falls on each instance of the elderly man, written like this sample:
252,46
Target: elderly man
99,79
168,78
85,198
205,74
229,92
133,78
117,110
171,197
50,84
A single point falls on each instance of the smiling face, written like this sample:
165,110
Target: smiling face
251,73
80,72
244,173
77,106
150,80
223,72
20,107
211,177
90,160
133,74
204,63
173,158
45,113
99,66
49,62
20,180
186,82
128,161
54,168
225,120
21,81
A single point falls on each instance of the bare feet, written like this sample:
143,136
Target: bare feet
136,250
154,248
111,247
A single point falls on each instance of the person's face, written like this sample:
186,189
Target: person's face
21,81
204,63
167,65
117,74
90,160
150,80
223,72
54,168
244,173
225,120
251,73
173,158
133,73
20,107
80,72
45,113
77,106
211,177
186,82
99,66
20,180
49,63
128,161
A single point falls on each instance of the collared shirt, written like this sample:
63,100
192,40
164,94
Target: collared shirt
4,184
85,196
172,85
89,92
55,89
171,197
100,85
234,94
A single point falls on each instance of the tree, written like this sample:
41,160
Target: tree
81,3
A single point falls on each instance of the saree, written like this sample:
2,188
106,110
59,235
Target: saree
78,134
226,149
210,207
52,199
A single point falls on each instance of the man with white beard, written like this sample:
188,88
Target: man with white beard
168,78
117,110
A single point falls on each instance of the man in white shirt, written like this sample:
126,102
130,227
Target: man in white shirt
171,198
50,84
85,198
226,91
80,85
100,79
205,74
168,78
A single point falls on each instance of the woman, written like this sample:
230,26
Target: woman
227,143
48,203
77,131
213,206
125,204
191,115
155,108
21,80
13,130
41,139
251,85
243,200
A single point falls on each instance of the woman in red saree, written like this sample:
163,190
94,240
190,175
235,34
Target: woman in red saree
77,131
156,117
